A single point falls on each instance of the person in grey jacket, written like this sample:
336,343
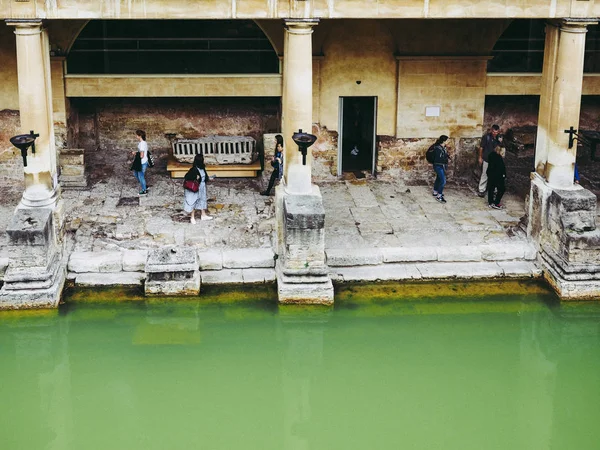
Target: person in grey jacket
440,165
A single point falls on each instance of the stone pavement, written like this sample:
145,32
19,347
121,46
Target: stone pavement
368,222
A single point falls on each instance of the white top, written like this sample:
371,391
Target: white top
143,147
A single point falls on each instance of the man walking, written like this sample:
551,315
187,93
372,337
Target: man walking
489,142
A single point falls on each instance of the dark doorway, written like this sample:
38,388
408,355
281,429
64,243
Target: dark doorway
356,146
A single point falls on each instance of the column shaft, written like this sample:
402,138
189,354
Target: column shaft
33,69
560,101
297,102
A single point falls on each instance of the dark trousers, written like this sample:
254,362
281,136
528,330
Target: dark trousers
498,186
272,180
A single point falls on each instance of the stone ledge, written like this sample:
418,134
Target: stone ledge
353,257
520,269
83,262
462,253
502,251
225,276
409,254
110,279
250,276
210,259
248,258
384,272
466,270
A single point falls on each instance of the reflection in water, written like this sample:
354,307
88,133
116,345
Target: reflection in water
506,374
302,332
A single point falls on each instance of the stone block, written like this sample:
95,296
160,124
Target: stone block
305,293
303,212
460,270
30,227
258,276
106,261
172,259
409,254
134,260
459,254
210,259
384,272
182,287
248,257
353,257
225,276
72,171
572,210
520,269
110,279
502,251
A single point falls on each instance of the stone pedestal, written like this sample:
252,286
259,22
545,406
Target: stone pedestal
563,223
172,271
36,271
72,168
302,273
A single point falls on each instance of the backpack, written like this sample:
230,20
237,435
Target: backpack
150,159
430,154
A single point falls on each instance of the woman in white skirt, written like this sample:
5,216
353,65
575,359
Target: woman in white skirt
197,200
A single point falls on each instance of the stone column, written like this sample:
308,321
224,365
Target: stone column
302,272
297,101
35,105
560,100
562,215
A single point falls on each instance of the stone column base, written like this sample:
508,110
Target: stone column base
34,298
36,272
571,285
304,287
172,271
563,223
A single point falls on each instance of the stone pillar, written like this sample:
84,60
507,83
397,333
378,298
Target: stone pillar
302,272
562,215
35,106
560,100
297,101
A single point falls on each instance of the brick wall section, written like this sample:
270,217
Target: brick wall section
11,163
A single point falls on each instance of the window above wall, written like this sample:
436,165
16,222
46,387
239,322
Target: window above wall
172,47
521,48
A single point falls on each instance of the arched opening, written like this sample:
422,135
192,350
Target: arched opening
172,47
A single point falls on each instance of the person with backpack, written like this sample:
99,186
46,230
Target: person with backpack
496,173
438,154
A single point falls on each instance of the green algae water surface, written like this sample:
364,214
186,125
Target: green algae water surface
400,367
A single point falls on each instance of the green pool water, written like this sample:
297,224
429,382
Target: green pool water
439,367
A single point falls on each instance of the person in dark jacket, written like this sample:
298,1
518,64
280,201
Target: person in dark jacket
496,174
276,163
440,165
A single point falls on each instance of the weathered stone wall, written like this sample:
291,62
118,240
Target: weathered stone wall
107,126
11,163
359,61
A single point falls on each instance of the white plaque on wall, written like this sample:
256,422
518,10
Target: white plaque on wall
432,111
